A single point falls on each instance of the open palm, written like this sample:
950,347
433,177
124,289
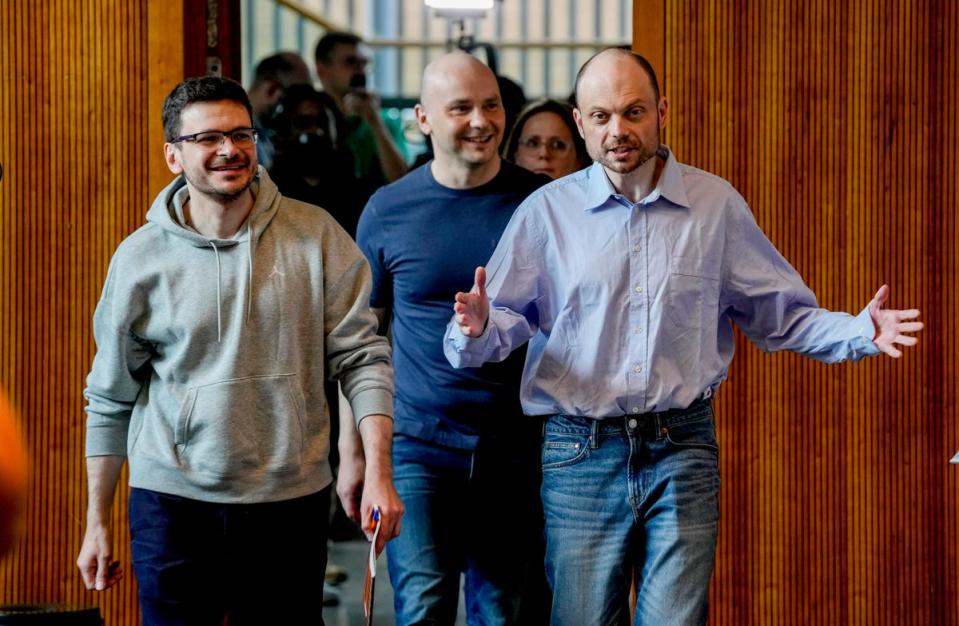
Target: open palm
891,324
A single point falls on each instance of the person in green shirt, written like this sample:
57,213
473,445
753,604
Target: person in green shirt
341,61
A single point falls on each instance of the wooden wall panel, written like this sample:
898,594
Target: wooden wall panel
80,86
837,123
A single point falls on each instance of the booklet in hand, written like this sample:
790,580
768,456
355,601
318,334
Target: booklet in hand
370,579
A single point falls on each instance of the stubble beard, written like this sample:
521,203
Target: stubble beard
645,151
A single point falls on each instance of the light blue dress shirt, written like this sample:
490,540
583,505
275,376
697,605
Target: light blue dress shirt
628,308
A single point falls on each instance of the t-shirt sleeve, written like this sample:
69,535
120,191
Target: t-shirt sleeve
370,238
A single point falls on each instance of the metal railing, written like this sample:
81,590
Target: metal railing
540,43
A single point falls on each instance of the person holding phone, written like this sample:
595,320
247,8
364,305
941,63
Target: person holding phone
341,63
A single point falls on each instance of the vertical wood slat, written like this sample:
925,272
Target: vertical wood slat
80,90
836,121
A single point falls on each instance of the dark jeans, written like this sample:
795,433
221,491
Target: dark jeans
198,562
475,513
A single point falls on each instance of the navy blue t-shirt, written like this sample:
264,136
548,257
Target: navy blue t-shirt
424,241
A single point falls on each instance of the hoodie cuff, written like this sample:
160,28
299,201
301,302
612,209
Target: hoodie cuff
106,442
372,402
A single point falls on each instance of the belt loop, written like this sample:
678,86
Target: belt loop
594,434
660,424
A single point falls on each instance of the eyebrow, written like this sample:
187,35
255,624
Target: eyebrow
461,101
217,130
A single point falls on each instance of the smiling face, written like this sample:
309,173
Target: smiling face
619,115
546,146
462,113
221,173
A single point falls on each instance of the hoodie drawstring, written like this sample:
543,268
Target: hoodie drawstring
219,321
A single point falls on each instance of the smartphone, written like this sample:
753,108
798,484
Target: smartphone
358,81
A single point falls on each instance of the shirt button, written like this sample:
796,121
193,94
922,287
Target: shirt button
639,330
632,423
635,409
637,369
637,248
639,289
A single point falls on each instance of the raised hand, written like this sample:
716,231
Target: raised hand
891,324
472,309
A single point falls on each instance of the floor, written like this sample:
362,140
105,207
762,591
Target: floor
352,557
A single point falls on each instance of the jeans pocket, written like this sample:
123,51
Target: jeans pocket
698,432
563,450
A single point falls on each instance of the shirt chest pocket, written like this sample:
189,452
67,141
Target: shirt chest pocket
692,293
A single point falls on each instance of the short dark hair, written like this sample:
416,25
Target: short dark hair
279,67
561,109
324,47
200,89
640,59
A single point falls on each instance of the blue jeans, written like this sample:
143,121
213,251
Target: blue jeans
472,512
631,498
197,562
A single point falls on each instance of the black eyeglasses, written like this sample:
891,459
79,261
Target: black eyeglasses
211,139
556,146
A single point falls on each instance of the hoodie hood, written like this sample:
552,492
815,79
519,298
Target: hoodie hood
167,212
168,207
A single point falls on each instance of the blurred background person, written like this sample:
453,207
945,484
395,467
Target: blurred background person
341,63
312,162
271,77
545,140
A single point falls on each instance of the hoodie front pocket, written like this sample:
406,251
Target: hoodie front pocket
241,426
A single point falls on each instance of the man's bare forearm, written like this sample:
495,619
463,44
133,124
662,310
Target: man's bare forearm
376,432
103,473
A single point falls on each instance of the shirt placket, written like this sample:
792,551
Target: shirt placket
637,371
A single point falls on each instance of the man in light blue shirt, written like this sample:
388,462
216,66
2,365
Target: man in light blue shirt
625,278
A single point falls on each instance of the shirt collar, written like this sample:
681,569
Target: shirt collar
600,191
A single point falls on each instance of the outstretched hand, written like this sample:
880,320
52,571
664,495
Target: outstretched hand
891,324
472,309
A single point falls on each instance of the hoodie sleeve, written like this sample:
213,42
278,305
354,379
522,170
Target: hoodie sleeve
115,378
355,354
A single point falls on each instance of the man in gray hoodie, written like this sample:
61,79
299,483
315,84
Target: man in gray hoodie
218,323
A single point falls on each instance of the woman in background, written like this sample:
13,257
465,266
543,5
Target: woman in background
545,140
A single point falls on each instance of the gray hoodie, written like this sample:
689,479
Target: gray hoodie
212,353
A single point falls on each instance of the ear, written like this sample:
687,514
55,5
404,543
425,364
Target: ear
321,72
172,157
578,117
273,92
663,112
421,119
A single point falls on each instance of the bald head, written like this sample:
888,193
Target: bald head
451,71
608,60
461,111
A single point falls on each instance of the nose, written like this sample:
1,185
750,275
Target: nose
478,118
227,147
615,126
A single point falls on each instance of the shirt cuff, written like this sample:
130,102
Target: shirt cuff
864,326
866,333
461,342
